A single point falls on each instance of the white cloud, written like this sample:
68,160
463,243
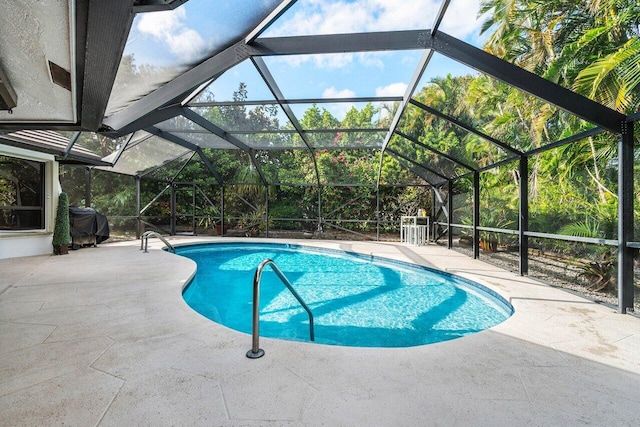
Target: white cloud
169,28
161,24
327,61
372,59
466,22
187,44
339,110
345,16
332,92
394,89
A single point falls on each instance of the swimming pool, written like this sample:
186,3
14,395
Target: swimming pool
356,300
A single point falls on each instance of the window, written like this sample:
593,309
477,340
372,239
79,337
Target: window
21,194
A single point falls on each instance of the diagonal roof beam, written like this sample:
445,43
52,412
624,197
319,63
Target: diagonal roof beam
201,121
270,19
277,93
186,144
411,87
397,154
123,147
70,145
150,119
404,160
528,82
176,90
166,163
578,136
179,88
490,166
440,16
433,150
214,129
466,127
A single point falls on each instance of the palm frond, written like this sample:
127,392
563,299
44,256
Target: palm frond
590,80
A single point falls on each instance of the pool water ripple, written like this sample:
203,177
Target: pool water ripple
356,300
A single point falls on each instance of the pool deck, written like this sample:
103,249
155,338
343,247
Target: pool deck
102,337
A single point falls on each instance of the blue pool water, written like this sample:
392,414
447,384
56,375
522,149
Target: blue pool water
356,300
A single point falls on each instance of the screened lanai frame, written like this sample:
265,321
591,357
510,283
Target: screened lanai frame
178,99
174,100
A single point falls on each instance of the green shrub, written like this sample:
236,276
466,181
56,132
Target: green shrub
289,210
61,229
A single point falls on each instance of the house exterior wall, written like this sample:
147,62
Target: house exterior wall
20,243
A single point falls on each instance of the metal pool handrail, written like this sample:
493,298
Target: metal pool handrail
144,241
256,351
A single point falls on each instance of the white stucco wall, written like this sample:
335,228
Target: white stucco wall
33,242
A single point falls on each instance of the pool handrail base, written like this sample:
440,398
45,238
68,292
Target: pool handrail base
256,351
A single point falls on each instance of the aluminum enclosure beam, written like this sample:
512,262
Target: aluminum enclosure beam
108,25
440,16
578,136
433,150
528,82
269,20
523,223
183,143
450,208
411,87
181,87
465,127
150,119
398,155
413,169
70,145
476,214
625,219
201,121
206,124
344,43
299,101
262,68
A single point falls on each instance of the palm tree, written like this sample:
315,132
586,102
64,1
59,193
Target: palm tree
591,46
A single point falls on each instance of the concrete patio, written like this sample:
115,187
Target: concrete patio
102,337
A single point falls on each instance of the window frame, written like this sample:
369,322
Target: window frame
40,208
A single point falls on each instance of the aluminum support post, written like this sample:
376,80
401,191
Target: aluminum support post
87,187
434,212
476,215
523,226
222,211
266,212
138,204
172,219
193,209
625,218
320,209
378,211
450,208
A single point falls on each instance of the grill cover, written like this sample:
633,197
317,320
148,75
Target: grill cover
86,222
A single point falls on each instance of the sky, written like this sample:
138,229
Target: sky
186,35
